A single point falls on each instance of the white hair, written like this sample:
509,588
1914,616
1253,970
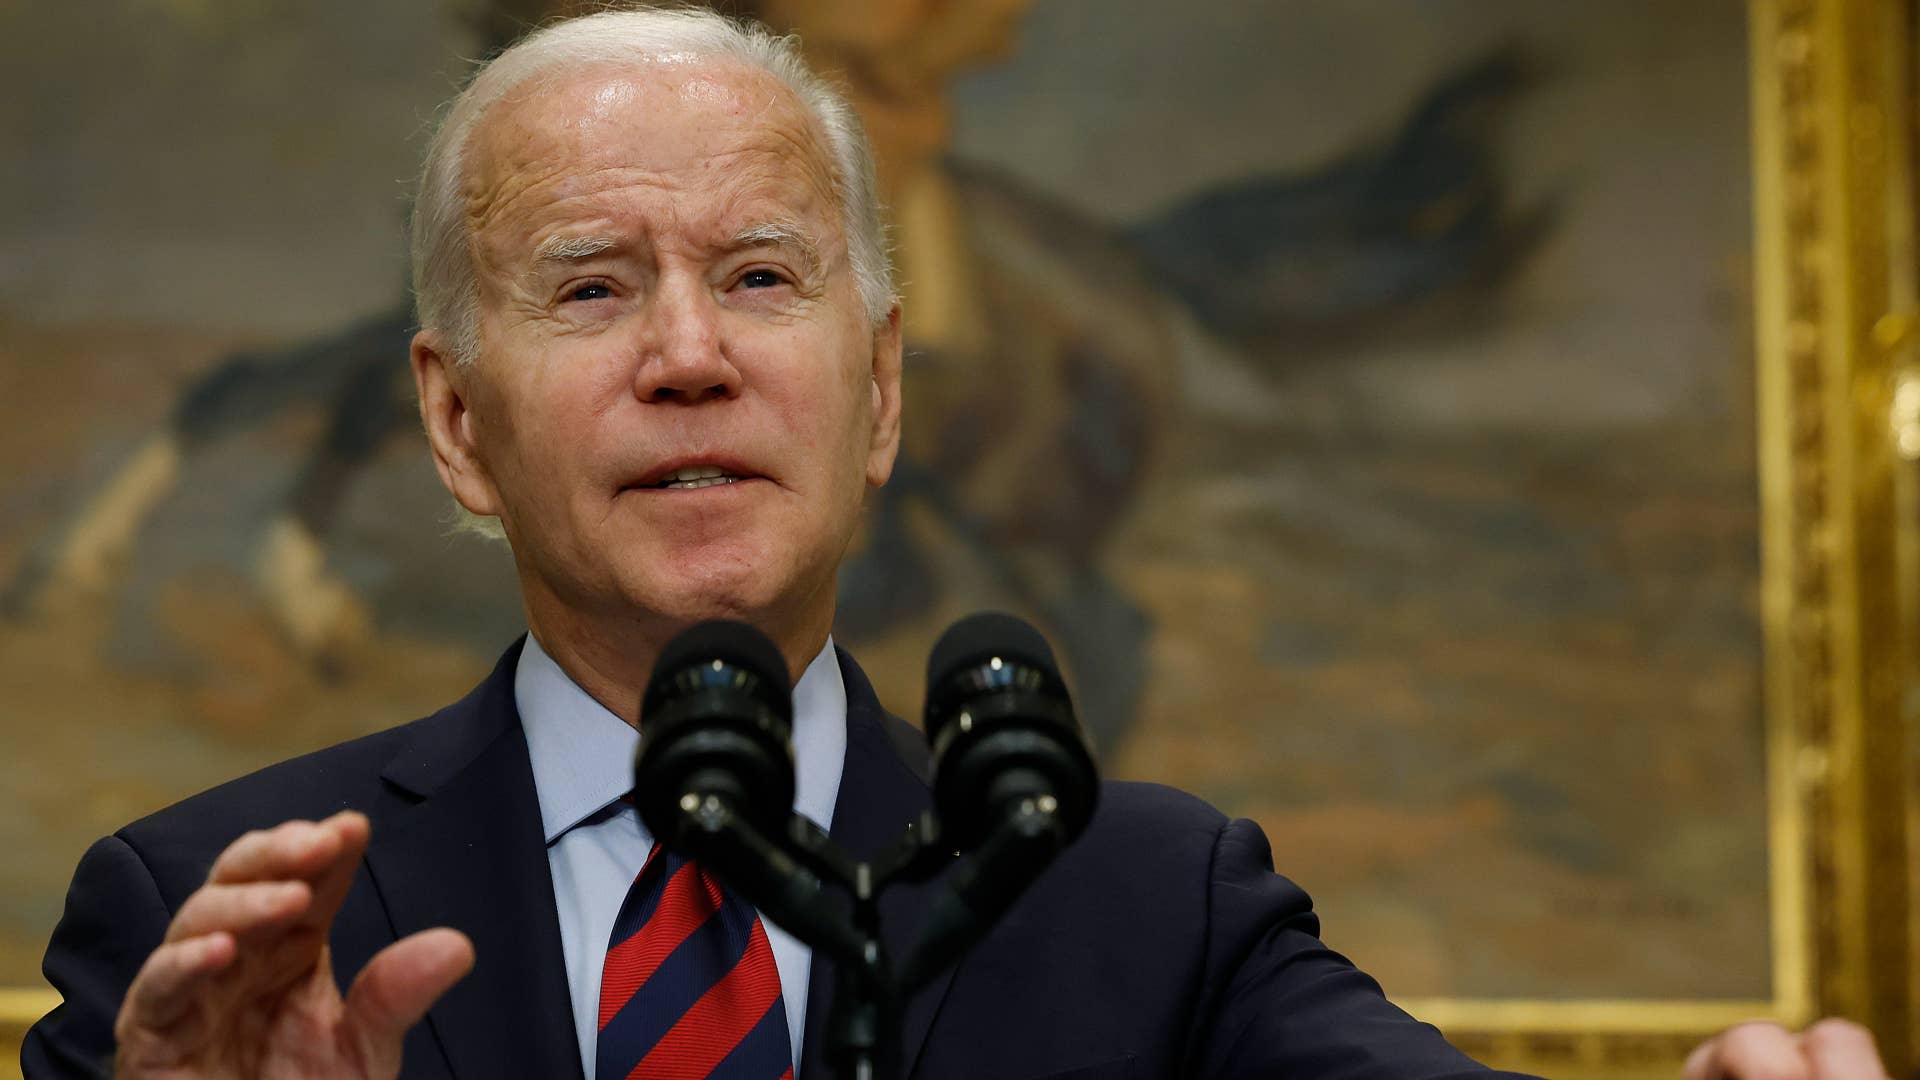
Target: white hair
446,292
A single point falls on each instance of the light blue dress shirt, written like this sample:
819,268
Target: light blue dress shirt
583,762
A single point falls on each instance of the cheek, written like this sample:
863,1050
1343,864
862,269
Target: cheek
809,389
844,406
554,386
536,432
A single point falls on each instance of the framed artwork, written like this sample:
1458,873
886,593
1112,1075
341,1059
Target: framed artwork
1474,440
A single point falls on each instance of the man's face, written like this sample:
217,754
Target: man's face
679,400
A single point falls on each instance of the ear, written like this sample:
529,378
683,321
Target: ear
444,388
885,443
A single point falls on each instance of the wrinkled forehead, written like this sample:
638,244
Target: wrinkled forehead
690,122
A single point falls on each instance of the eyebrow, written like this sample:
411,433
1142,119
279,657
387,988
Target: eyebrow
563,249
786,234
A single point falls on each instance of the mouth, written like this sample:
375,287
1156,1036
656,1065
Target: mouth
692,478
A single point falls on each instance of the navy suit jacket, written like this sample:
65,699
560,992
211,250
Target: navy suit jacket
1161,944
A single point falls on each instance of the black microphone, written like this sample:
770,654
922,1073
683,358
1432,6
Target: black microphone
716,721
713,779
1013,780
1003,731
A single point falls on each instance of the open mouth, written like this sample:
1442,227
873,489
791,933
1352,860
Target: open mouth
696,476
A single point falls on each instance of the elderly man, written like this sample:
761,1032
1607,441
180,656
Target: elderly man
660,347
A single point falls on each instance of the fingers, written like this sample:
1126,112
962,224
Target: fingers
1703,1063
171,980
258,927
397,987
1829,1050
1756,1051
239,909
351,830
323,854
293,851
263,885
1842,1050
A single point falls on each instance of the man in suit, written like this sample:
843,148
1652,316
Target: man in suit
660,347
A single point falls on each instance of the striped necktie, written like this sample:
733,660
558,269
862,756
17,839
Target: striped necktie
690,990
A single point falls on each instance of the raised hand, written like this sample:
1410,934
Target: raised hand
243,986
1829,1050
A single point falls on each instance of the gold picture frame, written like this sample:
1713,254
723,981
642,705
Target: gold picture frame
1837,335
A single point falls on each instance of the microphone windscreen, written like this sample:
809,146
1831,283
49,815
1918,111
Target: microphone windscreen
726,640
988,634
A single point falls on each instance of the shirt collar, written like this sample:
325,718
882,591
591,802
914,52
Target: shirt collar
582,754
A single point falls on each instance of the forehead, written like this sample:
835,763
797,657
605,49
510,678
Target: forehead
698,140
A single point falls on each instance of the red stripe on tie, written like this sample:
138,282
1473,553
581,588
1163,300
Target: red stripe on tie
687,901
717,1022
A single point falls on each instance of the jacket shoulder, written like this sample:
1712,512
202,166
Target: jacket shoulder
178,843
373,774
1148,854
1147,804
369,773
1153,821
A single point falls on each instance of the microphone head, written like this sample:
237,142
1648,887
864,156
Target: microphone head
716,719
746,659
1002,728
985,635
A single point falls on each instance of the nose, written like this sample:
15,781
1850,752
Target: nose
683,357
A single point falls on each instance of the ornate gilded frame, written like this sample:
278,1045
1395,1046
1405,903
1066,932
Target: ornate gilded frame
1837,321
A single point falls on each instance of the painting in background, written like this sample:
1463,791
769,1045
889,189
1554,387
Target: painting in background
1359,395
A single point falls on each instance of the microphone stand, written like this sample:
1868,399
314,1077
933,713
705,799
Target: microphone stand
785,878
784,882
863,1028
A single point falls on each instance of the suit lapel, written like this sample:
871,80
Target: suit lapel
882,787
463,847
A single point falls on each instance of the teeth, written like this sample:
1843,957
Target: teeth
707,481
696,476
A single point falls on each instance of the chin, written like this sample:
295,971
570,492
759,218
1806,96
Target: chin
724,589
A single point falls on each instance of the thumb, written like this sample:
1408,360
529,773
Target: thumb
397,987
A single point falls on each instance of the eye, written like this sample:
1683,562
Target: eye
593,290
761,279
